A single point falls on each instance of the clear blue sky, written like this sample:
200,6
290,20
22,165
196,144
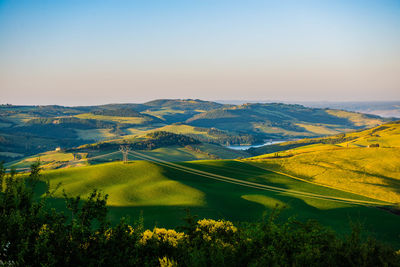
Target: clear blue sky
92,52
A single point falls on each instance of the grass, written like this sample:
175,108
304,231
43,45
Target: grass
136,184
50,159
372,172
163,113
161,194
53,159
127,120
387,135
358,119
350,165
319,129
95,134
20,119
185,129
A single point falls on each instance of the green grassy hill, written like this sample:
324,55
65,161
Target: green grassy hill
165,145
232,190
349,162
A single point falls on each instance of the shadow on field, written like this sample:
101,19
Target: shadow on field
238,203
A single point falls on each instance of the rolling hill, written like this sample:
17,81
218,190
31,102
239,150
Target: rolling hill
162,144
28,130
232,190
283,120
364,162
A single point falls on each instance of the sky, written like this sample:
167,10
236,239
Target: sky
81,52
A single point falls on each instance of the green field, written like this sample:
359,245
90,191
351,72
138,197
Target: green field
88,156
162,192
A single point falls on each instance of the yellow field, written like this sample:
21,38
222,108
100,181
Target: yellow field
51,159
163,112
184,129
387,135
20,119
351,166
129,120
319,129
95,134
277,130
357,118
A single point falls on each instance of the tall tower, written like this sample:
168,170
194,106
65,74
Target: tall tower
124,150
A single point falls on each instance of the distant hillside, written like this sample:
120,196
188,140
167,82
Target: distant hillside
283,120
28,130
380,108
176,110
213,135
185,104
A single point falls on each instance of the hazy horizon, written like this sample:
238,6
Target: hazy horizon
99,52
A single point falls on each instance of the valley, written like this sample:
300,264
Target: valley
188,154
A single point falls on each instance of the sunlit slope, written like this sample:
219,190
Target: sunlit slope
137,184
49,159
386,135
353,165
162,194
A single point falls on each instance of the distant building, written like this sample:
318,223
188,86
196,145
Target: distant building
58,149
373,145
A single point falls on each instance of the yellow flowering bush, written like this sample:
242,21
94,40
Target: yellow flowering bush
166,262
163,235
211,227
45,230
222,232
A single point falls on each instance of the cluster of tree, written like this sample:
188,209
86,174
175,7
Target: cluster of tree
380,128
120,112
155,140
337,139
32,234
73,122
42,111
224,138
163,138
184,104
